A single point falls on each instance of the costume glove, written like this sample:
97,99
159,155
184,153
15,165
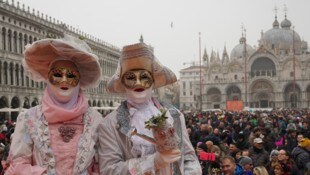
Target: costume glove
162,159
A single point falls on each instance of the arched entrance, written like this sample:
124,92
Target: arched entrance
292,96
15,103
261,94
35,102
214,98
263,99
4,104
26,103
233,93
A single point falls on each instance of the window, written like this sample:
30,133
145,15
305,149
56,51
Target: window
184,85
6,73
17,74
15,42
216,77
236,77
22,75
27,81
30,39
20,43
10,40
25,40
11,74
292,74
3,39
184,93
191,93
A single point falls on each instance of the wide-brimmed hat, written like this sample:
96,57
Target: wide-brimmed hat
140,56
39,56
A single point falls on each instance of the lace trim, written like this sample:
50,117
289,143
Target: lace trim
39,131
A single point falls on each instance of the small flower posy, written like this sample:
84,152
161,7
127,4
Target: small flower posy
157,121
163,131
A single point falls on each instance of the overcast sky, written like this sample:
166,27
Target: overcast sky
172,26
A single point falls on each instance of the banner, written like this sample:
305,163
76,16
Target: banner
234,105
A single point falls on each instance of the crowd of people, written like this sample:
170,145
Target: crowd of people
242,143
6,131
259,142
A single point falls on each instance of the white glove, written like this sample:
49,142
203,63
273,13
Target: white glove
163,159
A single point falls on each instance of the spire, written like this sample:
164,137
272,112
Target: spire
225,58
285,10
275,23
286,24
205,58
218,56
242,39
212,59
141,39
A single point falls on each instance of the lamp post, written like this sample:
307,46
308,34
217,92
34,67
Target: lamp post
294,74
200,83
245,68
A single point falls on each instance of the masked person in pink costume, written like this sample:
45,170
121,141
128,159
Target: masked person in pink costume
61,135
137,75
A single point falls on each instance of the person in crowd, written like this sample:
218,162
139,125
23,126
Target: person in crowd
287,163
301,155
269,139
258,153
137,75
291,137
305,129
279,169
242,143
215,166
233,150
200,150
260,170
61,135
245,152
256,133
210,145
229,166
300,136
273,158
201,134
190,134
281,123
247,164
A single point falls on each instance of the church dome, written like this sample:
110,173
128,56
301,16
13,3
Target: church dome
281,38
286,24
238,50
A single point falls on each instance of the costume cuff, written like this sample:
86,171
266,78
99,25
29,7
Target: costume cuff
143,165
24,169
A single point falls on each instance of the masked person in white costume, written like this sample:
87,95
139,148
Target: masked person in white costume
137,75
60,136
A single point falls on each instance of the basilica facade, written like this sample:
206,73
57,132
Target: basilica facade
20,26
273,75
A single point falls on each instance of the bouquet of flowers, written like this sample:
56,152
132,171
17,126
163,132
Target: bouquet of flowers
163,131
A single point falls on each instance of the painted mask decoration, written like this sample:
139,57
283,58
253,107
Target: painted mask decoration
137,80
64,75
